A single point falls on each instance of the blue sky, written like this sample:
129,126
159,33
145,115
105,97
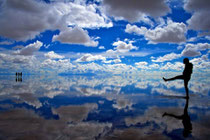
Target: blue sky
97,36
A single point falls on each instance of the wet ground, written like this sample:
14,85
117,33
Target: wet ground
103,108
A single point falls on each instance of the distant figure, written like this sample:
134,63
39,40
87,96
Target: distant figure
186,75
18,76
185,120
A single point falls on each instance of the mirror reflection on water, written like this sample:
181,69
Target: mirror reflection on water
103,107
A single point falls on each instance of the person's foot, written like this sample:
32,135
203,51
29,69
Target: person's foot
164,79
164,114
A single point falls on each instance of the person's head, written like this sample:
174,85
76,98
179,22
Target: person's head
186,61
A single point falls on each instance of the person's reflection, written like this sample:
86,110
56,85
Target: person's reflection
18,77
185,120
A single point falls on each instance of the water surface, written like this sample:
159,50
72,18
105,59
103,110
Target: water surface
103,108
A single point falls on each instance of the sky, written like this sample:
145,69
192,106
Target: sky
103,36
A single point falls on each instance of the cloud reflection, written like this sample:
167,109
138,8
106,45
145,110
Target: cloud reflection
99,107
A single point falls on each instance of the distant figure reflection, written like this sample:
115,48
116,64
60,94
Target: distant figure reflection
185,120
18,76
186,75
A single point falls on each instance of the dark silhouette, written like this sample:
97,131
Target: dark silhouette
186,75
18,76
185,120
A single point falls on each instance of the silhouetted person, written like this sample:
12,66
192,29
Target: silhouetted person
18,76
185,120
186,75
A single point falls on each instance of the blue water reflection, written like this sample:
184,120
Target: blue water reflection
102,107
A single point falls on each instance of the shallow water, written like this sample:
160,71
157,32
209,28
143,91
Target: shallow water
103,108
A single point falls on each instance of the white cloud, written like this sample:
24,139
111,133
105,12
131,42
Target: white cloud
8,59
101,47
172,32
167,92
142,65
167,57
60,65
200,10
154,66
194,21
90,67
134,29
201,62
85,16
89,57
192,50
6,43
113,61
22,20
123,104
123,46
75,35
119,68
180,47
135,10
207,37
192,39
53,55
25,19
29,49
169,66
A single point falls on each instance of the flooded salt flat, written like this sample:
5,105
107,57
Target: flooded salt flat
103,107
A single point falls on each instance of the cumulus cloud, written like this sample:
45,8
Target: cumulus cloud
122,47
61,65
172,32
207,37
75,35
167,57
135,29
23,20
89,57
201,62
123,104
192,50
142,65
90,67
6,43
53,55
14,63
119,68
29,49
52,128
76,113
154,66
101,47
200,10
169,66
135,10
113,61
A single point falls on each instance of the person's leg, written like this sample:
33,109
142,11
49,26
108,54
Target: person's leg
186,87
174,78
